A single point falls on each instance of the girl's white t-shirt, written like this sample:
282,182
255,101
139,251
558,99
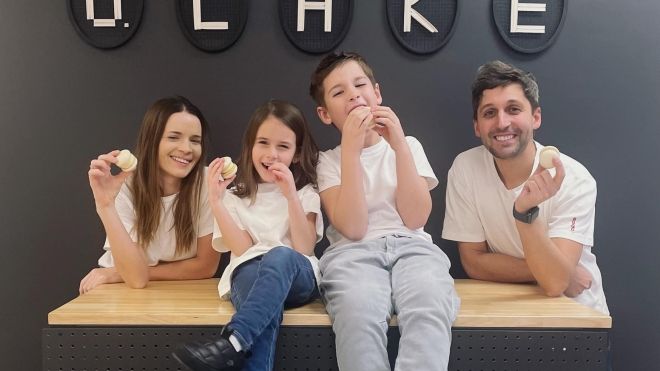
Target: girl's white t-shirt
267,222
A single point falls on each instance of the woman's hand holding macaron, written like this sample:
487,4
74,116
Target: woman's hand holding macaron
106,186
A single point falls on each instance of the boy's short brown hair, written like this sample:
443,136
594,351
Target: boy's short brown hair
328,64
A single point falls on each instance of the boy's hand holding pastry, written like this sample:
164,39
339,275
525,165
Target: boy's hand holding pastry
388,126
355,128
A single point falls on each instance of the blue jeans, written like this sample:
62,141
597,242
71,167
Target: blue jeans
260,290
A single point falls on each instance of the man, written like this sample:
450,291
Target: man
514,220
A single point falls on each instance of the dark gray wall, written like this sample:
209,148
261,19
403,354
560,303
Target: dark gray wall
62,102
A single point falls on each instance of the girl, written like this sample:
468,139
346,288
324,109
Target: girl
270,222
156,218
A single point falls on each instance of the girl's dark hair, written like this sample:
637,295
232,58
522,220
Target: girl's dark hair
304,161
145,184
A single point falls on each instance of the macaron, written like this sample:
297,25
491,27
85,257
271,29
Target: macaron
126,161
229,168
546,156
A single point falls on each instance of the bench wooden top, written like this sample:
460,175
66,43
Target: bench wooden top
196,303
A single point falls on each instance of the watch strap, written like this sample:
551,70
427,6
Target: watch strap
526,217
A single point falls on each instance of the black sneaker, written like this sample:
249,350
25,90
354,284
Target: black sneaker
211,355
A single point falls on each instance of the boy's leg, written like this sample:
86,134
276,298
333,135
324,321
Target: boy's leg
355,286
426,304
259,291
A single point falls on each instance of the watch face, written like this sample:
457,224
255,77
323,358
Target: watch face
533,213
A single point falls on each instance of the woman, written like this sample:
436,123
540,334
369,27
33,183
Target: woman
157,218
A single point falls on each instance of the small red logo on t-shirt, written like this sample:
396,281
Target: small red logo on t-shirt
573,225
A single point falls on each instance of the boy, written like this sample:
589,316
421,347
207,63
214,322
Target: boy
374,188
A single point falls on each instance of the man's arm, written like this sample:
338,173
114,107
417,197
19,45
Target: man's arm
481,264
551,261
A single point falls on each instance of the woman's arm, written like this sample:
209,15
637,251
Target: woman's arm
203,265
130,260
99,276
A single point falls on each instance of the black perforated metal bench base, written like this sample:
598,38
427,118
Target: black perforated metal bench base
313,348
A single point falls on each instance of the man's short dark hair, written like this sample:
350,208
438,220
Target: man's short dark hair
497,73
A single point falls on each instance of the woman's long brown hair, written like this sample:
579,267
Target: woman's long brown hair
145,184
303,167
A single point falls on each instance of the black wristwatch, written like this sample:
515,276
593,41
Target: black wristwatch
526,217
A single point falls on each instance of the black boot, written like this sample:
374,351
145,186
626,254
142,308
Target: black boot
211,355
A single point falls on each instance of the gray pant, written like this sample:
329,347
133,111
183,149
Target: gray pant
364,283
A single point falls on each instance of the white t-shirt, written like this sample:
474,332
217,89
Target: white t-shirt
379,173
267,222
479,208
163,246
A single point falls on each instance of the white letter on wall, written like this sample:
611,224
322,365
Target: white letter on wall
525,7
197,17
110,22
409,12
326,6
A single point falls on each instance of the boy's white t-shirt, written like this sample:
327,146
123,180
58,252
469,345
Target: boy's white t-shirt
379,172
267,222
479,208
163,246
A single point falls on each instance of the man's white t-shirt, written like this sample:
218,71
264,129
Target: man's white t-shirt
267,222
163,246
479,208
379,179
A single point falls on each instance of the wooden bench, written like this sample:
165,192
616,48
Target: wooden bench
499,326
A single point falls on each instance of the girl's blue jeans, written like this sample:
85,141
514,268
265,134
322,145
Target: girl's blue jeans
260,290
